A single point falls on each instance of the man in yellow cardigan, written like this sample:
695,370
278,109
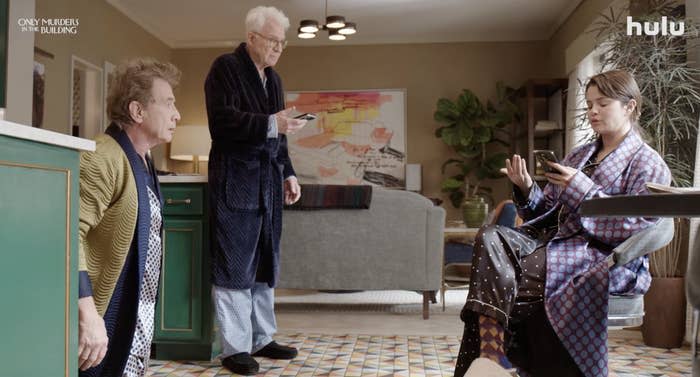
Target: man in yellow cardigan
120,246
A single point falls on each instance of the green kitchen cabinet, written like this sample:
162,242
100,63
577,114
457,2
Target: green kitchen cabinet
183,327
39,243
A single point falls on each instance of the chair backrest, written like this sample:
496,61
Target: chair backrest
628,310
644,242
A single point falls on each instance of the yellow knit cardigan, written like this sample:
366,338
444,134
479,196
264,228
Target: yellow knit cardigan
108,213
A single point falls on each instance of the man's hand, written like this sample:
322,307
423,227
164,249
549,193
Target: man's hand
287,124
563,176
292,190
517,173
92,335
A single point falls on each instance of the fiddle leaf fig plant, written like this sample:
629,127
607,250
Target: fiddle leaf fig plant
471,130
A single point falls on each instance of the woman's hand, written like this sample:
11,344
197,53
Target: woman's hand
564,175
517,173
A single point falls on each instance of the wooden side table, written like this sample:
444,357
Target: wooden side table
456,275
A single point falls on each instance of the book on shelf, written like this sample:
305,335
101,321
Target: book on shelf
657,188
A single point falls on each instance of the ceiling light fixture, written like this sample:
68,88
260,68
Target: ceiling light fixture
338,29
334,35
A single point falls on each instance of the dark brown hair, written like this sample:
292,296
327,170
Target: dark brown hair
133,81
619,85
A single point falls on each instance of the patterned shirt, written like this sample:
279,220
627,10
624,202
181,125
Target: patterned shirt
141,346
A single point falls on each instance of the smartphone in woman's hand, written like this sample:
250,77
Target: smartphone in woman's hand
542,156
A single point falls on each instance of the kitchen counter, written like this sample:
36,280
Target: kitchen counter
44,136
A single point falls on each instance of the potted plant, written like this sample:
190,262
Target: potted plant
671,92
471,129
664,303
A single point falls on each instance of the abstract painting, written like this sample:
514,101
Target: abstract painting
358,137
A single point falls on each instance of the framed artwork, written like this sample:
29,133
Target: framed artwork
108,75
358,137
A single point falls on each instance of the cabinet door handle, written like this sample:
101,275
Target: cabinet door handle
178,201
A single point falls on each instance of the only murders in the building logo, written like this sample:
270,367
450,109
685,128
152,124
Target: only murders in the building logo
49,25
665,27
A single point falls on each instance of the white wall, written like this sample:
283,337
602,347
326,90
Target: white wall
20,63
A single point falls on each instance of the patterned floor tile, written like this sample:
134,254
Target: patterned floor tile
365,355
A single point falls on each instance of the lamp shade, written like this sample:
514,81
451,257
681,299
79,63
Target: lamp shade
190,141
308,26
334,35
335,22
349,28
305,35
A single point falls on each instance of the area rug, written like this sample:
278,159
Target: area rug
365,301
367,355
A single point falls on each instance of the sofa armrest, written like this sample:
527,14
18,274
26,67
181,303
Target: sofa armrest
644,242
434,244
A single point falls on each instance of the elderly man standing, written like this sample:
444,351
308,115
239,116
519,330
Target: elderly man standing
250,175
120,246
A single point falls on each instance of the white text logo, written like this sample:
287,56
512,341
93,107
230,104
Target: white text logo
665,27
49,25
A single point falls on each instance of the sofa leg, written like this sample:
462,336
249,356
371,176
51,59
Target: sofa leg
426,304
433,297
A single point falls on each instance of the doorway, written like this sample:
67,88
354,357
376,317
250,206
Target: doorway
86,100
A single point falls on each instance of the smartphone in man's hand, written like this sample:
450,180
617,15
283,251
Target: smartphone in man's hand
542,156
306,116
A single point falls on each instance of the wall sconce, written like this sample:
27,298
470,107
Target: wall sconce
336,26
191,143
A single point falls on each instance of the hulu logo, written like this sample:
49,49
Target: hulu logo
655,28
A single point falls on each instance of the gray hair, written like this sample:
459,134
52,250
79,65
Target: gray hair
256,18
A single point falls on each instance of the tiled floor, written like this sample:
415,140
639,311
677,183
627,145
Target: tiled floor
401,344
366,355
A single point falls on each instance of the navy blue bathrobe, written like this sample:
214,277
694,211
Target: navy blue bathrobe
246,171
120,317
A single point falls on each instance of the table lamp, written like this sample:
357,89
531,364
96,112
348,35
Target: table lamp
191,143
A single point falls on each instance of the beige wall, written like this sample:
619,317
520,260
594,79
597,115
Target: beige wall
573,32
103,34
426,71
20,47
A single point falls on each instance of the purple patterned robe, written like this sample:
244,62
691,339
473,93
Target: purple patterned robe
578,280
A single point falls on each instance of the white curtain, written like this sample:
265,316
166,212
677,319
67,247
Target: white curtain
576,100
693,12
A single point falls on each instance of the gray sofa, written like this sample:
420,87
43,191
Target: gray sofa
395,244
